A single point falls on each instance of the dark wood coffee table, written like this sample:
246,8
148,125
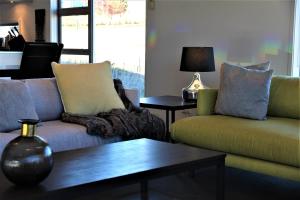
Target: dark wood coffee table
83,171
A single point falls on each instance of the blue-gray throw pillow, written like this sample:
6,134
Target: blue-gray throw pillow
261,66
16,103
243,92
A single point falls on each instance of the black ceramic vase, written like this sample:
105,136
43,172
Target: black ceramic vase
27,159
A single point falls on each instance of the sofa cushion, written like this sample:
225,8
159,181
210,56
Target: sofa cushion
243,92
63,136
46,98
275,139
86,88
15,104
285,97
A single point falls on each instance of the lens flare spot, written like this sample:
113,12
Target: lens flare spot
270,47
152,38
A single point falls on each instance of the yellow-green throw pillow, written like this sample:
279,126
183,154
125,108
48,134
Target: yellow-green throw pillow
86,89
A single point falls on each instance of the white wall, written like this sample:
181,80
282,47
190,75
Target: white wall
241,31
23,13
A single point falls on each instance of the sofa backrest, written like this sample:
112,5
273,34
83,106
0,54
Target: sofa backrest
47,101
285,97
46,98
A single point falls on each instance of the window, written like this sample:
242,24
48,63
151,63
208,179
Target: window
296,48
74,3
75,30
102,30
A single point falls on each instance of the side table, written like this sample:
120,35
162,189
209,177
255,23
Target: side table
167,103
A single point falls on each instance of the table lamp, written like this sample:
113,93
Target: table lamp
196,59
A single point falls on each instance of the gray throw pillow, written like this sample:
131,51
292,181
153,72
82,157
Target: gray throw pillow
16,103
243,92
261,66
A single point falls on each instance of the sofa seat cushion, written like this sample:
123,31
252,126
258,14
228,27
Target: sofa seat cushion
275,139
66,136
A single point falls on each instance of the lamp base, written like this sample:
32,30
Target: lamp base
190,93
189,96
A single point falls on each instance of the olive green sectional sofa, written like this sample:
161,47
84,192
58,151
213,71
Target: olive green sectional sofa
270,146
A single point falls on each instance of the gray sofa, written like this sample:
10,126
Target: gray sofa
60,135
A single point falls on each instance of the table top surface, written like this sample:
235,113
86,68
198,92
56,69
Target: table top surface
110,163
166,102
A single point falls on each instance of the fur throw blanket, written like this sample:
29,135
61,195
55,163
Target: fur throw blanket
130,123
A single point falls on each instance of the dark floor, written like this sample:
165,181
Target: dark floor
240,185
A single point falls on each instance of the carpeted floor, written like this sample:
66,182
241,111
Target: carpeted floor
240,185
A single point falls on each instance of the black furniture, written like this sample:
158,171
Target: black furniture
91,170
167,103
16,43
9,72
36,60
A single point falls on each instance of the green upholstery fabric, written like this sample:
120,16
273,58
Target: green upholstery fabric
271,147
265,167
275,139
285,97
206,101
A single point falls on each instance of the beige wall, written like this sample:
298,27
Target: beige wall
241,31
23,13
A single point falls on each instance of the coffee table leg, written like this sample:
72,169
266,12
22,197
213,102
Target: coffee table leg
220,181
167,125
144,190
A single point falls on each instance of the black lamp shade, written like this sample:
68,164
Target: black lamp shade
197,59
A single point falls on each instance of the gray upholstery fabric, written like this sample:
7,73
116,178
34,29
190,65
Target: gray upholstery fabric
133,96
5,138
15,103
46,98
61,136
243,92
261,66
42,95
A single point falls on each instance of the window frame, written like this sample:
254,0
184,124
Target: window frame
74,11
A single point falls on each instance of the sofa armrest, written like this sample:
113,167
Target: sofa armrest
133,96
206,101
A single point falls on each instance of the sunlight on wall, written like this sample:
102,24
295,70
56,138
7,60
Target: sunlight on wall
270,47
220,56
289,48
152,38
21,12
